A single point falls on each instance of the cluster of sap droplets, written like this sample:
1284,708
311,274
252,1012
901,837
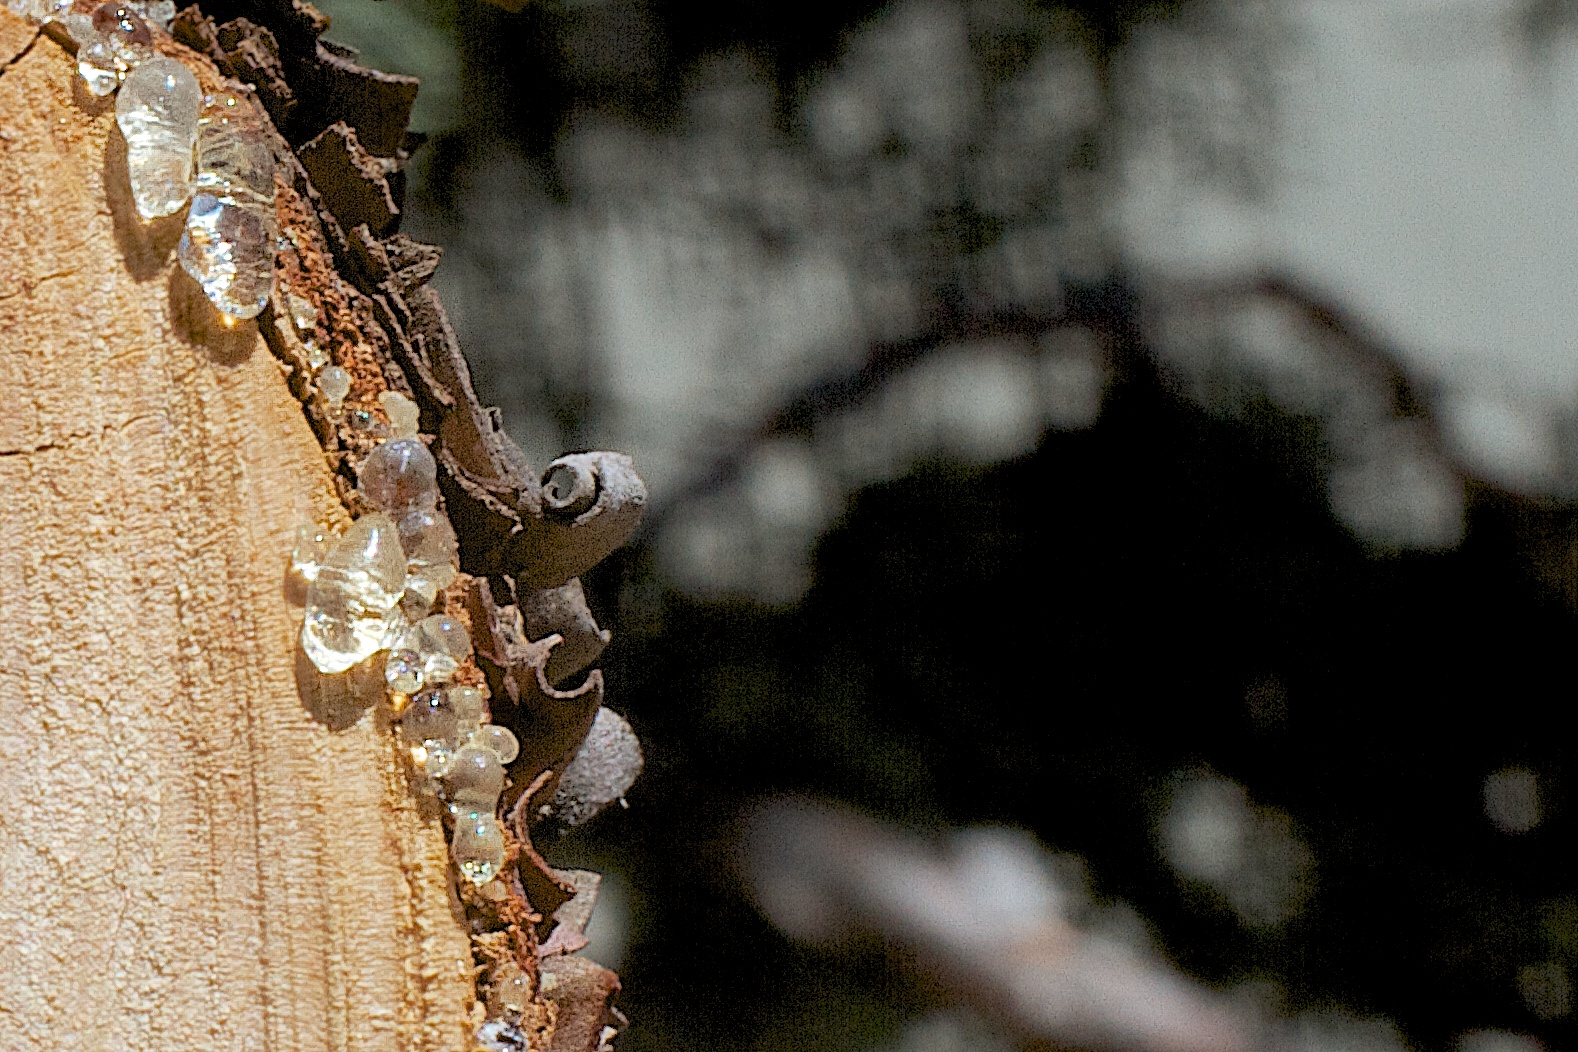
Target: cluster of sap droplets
372,590
465,758
180,146
111,38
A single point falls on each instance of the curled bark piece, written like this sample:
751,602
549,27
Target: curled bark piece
566,542
569,486
563,612
603,770
511,660
351,180
412,261
198,33
545,888
583,993
570,920
375,103
551,724
496,629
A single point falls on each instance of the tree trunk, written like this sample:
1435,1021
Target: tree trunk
204,846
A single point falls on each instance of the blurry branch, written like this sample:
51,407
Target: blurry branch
987,915
1542,530
1123,317
1346,334
841,392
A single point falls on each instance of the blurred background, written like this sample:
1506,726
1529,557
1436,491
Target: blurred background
1111,572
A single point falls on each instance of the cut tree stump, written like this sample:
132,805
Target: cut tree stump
202,847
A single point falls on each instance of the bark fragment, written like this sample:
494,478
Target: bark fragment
352,181
604,767
562,611
583,993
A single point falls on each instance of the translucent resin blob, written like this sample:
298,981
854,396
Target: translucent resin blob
356,591
312,544
229,243
157,113
478,847
474,782
110,43
501,741
431,556
400,476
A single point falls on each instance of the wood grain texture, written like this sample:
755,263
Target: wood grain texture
203,845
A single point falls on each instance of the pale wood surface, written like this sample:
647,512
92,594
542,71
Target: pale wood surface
190,858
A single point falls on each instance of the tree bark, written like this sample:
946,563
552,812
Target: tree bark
204,846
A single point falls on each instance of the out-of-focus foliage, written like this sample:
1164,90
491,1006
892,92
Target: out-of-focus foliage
992,485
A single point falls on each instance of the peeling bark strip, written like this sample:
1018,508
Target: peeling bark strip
228,837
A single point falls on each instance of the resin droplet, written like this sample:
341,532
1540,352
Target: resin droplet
157,113
317,357
227,248
36,10
334,383
158,12
510,995
233,155
431,554
430,718
467,705
229,243
440,643
402,413
400,476
312,543
439,760
109,45
500,741
403,671
444,634
429,543
398,626
302,312
439,575
475,782
420,595
100,67
357,588
478,847
122,23
363,422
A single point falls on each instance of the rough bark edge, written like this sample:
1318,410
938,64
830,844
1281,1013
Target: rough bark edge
340,136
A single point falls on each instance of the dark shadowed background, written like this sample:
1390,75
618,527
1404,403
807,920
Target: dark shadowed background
1143,430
